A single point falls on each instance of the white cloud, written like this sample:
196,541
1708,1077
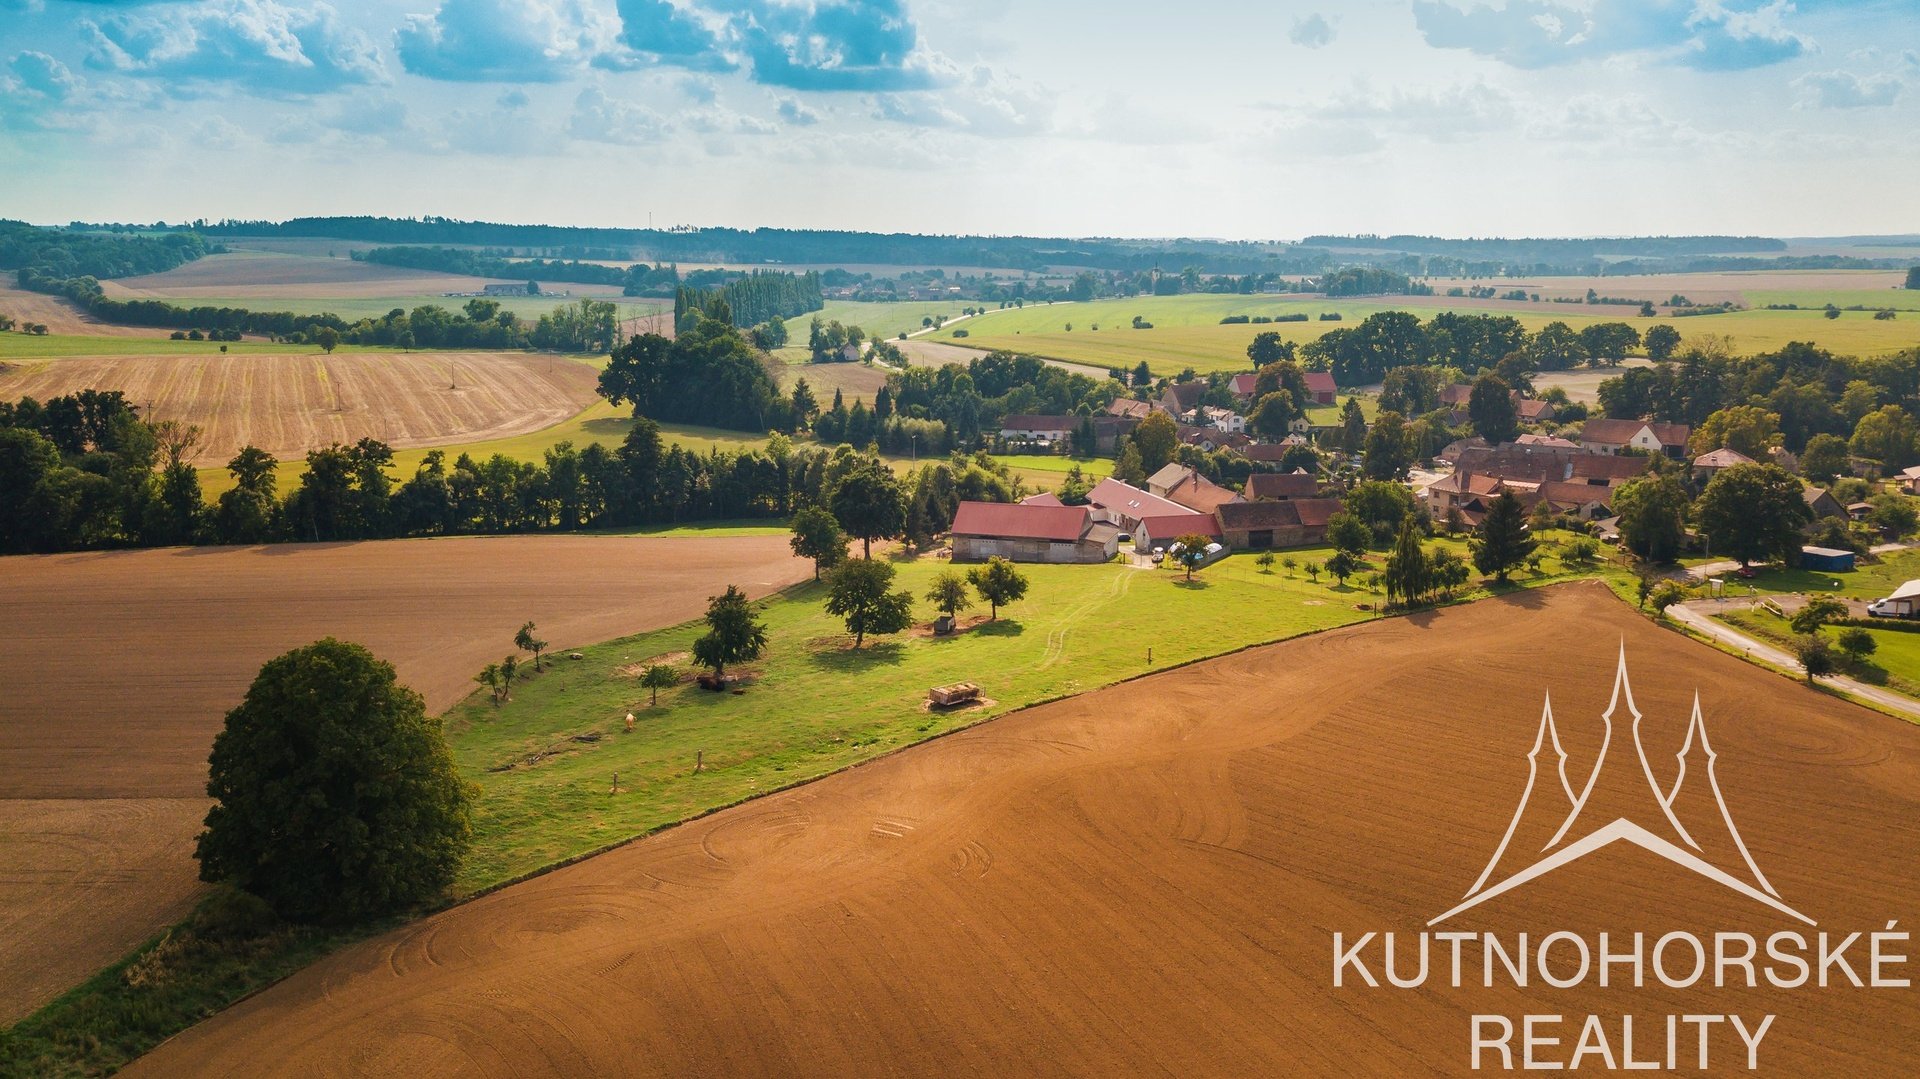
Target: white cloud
260,44
1846,90
1311,31
795,112
599,118
505,40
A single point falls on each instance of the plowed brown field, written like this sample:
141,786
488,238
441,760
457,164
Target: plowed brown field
1147,880
62,317
119,668
288,405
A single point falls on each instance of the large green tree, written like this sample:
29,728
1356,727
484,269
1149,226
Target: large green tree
817,535
1752,512
999,582
1502,541
1653,516
1272,415
733,634
1747,429
1157,438
1888,435
335,796
1389,447
1661,341
860,592
1409,573
870,504
1495,417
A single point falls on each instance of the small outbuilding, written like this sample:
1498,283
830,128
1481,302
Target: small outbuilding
1826,559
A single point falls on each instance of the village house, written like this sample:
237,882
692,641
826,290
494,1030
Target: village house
1600,435
1271,453
1822,503
1243,385
1162,531
1180,484
1224,420
1126,506
1257,526
1031,533
1128,408
1707,465
1320,387
1569,480
1182,398
1038,428
1530,439
1282,486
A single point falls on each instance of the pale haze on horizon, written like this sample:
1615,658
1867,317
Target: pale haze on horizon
1238,120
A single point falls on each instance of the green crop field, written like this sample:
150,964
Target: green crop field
546,761
886,320
1187,332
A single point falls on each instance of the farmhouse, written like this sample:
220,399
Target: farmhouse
1600,435
1183,485
1255,526
1038,428
1162,531
1320,387
1821,503
1282,486
1128,408
1269,453
1126,506
1182,398
1546,441
1709,464
1030,533
1243,386
1224,420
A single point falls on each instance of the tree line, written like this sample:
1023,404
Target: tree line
751,299
63,253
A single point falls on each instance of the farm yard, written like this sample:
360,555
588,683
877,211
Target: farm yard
289,404
121,665
930,911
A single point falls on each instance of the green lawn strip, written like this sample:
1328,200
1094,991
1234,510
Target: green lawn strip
1868,581
1894,665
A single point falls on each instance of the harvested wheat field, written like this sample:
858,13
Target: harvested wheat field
120,666
278,276
63,318
1148,879
288,405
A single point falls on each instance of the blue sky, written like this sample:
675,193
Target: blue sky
1108,117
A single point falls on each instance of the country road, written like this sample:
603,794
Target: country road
1698,616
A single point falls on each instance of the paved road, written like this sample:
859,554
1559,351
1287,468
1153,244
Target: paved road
1699,616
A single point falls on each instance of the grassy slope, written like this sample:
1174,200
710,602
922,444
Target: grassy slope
1080,627
1868,582
1895,662
1187,331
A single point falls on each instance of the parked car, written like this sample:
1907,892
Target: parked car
1123,538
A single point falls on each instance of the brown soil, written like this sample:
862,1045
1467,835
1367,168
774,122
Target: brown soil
253,274
62,317
119,667
288,405
1146,879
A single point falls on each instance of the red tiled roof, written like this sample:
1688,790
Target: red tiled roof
1265,453
1282,485
1620,432
1039,423
1243,384
1044,498
1172,526
1306,512
1320,382
1014,521
1111,494
1201,494
1126,406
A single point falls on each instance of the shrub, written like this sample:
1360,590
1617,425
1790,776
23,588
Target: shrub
1857,643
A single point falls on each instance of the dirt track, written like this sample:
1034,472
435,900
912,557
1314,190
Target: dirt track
1146,879
119,668
288,405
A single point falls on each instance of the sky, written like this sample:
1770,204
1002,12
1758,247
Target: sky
1244,120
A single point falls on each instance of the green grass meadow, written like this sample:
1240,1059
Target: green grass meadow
1187,330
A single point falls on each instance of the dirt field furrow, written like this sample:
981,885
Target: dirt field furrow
288,405
1146,880
120,667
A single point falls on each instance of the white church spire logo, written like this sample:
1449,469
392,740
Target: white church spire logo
1696,760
